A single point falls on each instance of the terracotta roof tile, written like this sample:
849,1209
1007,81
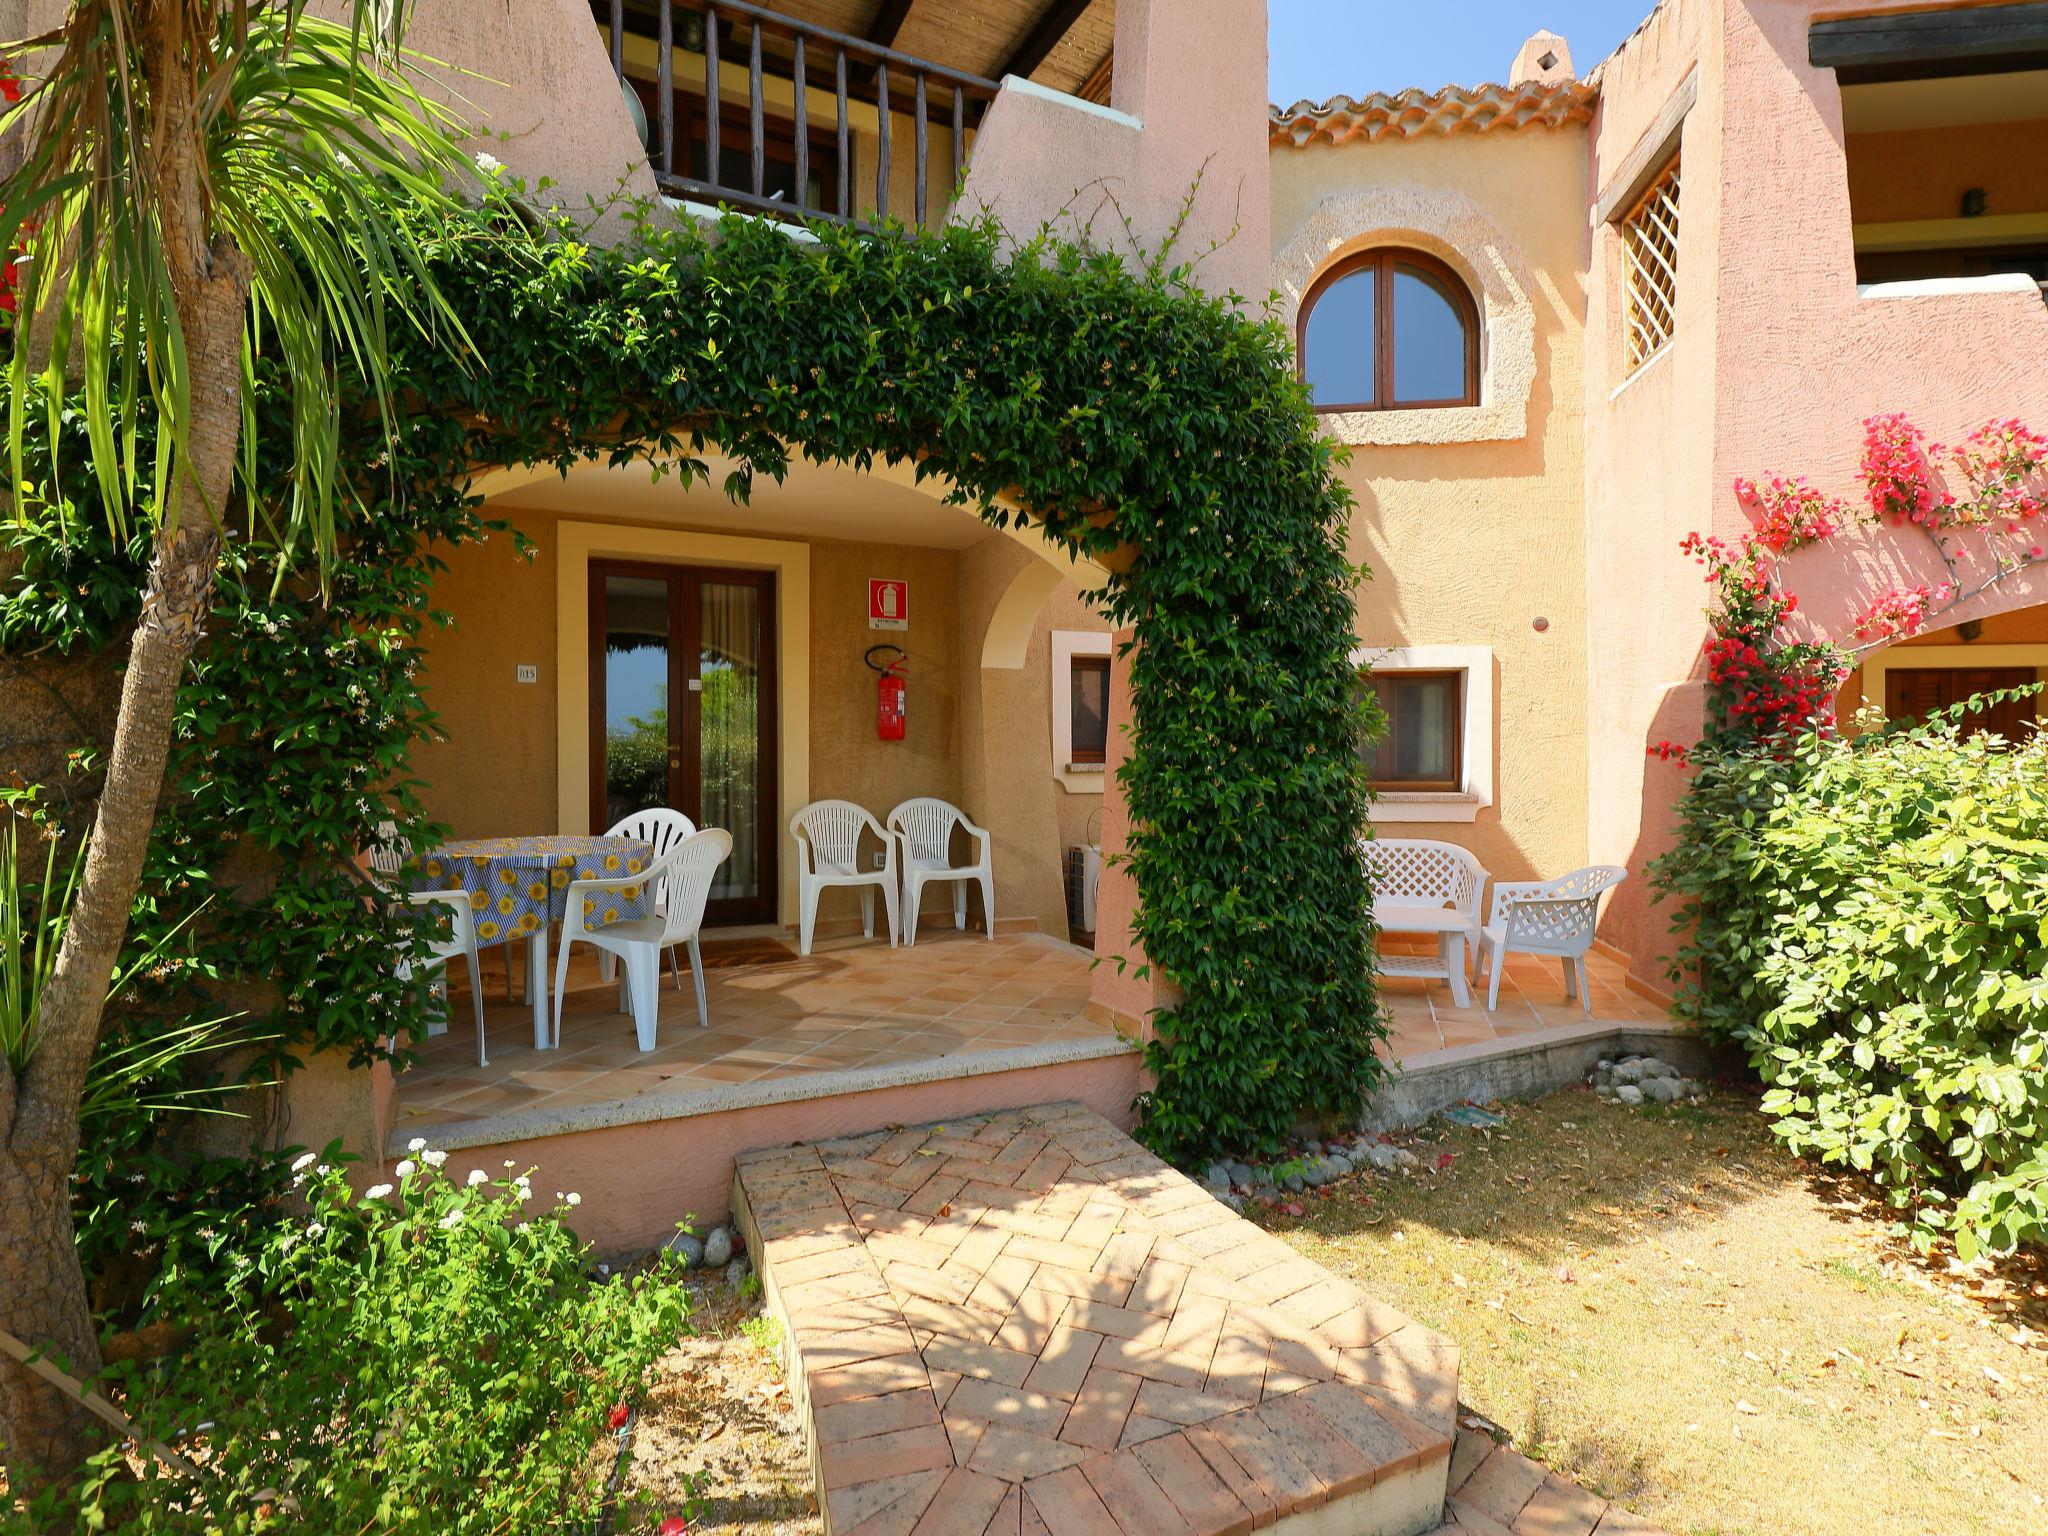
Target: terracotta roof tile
1413,113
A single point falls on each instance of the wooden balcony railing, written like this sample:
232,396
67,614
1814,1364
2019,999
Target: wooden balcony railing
789,164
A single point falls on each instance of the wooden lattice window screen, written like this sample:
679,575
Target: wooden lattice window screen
1649,243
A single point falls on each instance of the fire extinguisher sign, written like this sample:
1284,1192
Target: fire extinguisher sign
888,605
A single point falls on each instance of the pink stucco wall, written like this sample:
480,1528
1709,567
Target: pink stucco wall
1189,117
638,1181
1777,362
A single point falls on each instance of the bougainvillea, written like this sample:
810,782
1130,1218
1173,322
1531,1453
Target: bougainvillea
1853,913
1765,683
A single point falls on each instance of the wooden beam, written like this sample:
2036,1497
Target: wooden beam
1918,45
1053,24
888,22
1101,78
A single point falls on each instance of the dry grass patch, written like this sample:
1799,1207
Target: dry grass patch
1664,1306
718,1424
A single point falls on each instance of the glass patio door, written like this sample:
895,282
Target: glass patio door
682,694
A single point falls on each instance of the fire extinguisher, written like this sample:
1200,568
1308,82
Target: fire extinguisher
890,688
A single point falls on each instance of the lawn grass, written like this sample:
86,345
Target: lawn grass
1661,1304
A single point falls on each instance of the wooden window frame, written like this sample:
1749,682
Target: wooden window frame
1455,782
685,717
1076,665
1382,260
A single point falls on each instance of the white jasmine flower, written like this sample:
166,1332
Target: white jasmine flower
489,164
476,1177
417,1144
303,1162
433,1157
315,1228
508,1162
451,1219
522,1193
138,1226
573,1198
405,1168
323,1169
377,1191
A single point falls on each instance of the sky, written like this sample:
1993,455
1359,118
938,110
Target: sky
1318,48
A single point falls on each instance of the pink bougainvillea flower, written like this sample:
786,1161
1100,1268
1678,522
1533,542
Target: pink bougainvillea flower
674,1525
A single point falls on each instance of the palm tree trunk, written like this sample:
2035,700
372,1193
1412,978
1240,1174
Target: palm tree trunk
42,1290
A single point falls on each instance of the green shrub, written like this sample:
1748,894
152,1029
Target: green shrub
1869,919
429,1358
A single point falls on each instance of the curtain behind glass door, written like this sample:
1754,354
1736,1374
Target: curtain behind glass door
729,733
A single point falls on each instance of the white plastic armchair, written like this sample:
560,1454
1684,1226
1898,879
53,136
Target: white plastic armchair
923,830
682,884
828,834
1546,917
389,853
435,953
660,828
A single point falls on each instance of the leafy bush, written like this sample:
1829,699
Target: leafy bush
1869,920
425,1358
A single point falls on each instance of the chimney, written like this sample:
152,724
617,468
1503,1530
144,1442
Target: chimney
1546,59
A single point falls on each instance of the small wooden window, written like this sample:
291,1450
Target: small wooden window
1389,330
1088,705
1914,693
1649,253
1424,744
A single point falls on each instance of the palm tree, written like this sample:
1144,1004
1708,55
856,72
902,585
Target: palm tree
200,180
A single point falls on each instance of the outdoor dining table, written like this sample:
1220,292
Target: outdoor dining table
517,886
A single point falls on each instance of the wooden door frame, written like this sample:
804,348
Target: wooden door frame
685,790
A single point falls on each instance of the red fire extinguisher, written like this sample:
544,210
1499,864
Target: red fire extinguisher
890,688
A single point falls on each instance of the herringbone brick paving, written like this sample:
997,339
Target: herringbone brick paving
1024,1323
1496,1491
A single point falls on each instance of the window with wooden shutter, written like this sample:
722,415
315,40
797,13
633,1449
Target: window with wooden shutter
1914,693
1649,253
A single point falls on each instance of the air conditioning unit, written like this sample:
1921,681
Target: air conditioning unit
1084,875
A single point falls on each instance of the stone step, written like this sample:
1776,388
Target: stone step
1024,1324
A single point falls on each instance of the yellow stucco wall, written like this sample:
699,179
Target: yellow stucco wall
1471,541
978,736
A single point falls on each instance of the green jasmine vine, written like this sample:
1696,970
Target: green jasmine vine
1120,410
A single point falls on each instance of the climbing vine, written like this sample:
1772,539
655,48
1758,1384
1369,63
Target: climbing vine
1115,407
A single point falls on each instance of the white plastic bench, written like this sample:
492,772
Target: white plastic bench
1419,886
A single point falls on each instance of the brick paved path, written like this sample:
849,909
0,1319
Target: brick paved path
1022,1324
1499,1492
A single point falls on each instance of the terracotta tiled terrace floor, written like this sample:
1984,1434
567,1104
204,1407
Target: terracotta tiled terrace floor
851,1004
1022,1324
1423,1017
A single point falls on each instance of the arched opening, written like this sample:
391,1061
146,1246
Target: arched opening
1939,668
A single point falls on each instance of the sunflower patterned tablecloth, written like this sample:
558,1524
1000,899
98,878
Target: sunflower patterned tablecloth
515,884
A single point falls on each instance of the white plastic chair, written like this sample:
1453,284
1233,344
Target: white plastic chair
1546,917
682,883
923,830
662,829
389,853
429,954
1426,887
827,834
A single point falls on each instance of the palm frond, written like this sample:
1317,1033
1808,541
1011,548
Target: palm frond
303,135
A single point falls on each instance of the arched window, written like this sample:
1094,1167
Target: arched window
1389,329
